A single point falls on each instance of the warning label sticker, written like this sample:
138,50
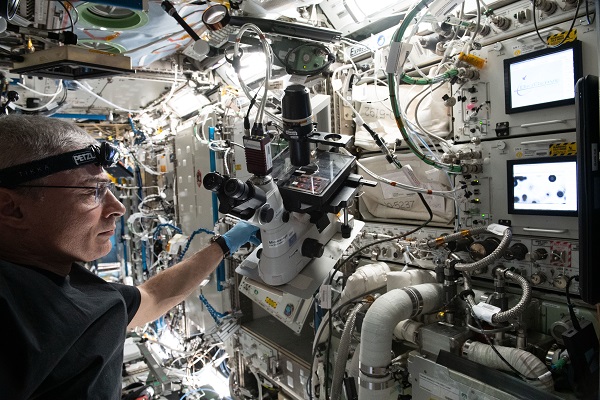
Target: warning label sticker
563,149
557,39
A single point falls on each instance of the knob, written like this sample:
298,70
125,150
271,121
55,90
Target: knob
558,256
547,6
502,23
516,252
312,248
560,281
266,214
482,249
461,244
538,278
539,254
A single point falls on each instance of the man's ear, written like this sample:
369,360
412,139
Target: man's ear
10,208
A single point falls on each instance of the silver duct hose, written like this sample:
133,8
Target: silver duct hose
339,367
504,316
490,258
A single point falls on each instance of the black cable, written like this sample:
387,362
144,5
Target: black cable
68,15
587,14
570,305
568,32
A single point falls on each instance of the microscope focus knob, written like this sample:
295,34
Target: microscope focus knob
266,214
312,248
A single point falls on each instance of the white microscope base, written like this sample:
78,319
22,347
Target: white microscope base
306,283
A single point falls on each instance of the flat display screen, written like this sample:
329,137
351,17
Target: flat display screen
542,186
542,79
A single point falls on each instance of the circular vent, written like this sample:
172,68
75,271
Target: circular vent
111,17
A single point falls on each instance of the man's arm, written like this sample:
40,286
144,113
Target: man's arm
170,287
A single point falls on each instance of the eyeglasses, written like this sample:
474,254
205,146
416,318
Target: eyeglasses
101,189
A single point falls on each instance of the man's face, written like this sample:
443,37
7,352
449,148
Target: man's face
68,224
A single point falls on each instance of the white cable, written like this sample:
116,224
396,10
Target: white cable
105,100
42,106
268,64
443,193
59,89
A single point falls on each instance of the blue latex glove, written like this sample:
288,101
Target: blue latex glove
240,234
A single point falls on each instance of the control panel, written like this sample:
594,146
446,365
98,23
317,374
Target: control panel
495,103
496,192
396,251
287,308
547,263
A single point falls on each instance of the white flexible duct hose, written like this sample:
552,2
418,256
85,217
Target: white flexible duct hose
363,280
400,279
523,361
377,334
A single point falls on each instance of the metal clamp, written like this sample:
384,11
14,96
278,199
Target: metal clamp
375,372
416,299
375,385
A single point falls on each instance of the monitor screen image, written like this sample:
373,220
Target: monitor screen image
542,186
542,79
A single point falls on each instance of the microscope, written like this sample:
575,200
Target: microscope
299,199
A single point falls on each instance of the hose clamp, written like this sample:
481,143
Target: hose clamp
466,348
416,299
374,372
375,385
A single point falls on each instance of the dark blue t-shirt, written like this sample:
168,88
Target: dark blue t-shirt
63,337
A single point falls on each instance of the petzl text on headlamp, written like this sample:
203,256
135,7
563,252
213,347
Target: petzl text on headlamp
105,155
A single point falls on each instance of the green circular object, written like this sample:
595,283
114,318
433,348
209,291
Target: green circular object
102,45
111,17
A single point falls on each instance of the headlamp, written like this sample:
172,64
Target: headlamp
105,155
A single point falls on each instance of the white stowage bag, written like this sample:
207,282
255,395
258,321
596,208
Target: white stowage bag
389,202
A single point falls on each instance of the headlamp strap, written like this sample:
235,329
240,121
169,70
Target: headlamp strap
14,176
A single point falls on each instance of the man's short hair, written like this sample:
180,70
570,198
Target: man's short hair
25,138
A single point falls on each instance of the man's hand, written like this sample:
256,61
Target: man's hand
241,233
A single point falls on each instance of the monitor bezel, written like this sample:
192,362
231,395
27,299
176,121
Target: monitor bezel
510,189
577,72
